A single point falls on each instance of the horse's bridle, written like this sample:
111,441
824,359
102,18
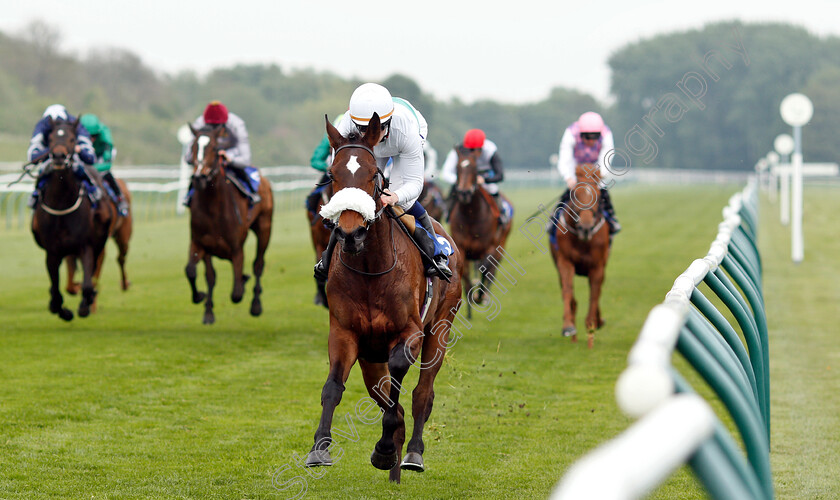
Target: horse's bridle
380,182
601,220
215,166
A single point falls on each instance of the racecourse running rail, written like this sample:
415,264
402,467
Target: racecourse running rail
677,426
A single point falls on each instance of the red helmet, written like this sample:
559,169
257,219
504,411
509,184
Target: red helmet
474,138
215,112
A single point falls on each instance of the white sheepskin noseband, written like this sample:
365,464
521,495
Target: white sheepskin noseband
349,199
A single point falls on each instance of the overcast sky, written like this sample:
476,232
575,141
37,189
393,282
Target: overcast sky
508,51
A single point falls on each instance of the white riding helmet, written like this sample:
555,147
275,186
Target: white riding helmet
368,99
56,111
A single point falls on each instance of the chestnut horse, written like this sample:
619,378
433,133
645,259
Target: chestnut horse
582,248
376,293
475,225
65,223
220,218
121,234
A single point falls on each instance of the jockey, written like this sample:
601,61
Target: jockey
588,140
237,158
103,147
404,132
84,156
489,164
321,160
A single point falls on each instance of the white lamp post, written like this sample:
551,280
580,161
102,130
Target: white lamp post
783,144
796,111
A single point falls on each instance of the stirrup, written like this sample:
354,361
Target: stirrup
321,272
438,267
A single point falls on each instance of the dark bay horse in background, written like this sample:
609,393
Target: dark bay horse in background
220,218
582,248
433,200
121,234
476,226
320,237
65,222
378,313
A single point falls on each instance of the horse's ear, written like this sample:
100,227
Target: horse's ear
333,134
371,137
192,129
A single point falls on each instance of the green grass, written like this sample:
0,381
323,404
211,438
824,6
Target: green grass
802,303
142,401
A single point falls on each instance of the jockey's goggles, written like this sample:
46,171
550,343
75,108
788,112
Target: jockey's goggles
363,128
590,136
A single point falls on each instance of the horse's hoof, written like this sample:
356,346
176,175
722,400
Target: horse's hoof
256,308
65,314
209,319
319,458
382,461
125,285
84,311
413,461
198,297
569,331
236,298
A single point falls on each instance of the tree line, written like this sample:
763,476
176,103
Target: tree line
705,98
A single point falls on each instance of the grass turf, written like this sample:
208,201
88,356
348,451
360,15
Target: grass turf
143,401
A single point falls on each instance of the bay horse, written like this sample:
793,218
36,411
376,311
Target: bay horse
475,225
320,238
582,248
220,219
432,199
378,307
65,223
120,233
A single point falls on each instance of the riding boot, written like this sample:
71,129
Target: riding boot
240,177
500,203
119,197
322,268
609,211
424,240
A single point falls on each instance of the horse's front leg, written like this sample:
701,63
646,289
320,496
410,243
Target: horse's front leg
466,283
210,276
88,292
56,300
195,255
378,383
566,271
238,261
385,454
593,319
434,350
263,232
343,353
73,286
